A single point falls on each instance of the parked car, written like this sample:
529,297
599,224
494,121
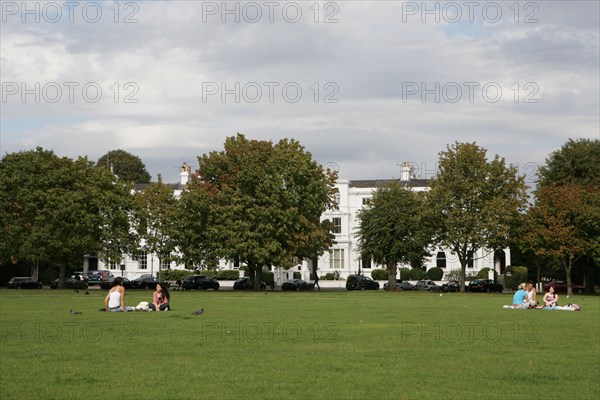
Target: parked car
200,282
297,284
23,282
94,277
74,282
401,284
246,283
430,286
561,286
361,282
484,285
145,281
108,283
451,286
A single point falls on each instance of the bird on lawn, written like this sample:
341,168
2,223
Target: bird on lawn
87,292
73,312
76,291
198,312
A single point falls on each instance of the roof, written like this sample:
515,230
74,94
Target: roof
375,183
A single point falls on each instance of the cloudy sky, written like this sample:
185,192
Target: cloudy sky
363,85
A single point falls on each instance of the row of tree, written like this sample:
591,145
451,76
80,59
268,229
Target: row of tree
255,203
260,204
474,203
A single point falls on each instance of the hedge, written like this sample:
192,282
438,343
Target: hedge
379,275
416,274
405,273
435,274
514,276
483,274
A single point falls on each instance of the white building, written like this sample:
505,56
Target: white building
343,258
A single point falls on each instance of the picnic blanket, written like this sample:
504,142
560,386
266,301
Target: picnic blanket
568,307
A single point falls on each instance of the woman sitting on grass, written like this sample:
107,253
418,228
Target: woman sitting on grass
115,299
551,298
160,298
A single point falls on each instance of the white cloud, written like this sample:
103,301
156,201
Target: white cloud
369,54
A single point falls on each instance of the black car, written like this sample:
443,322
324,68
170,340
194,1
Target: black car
200,282
361,282
401,285
145,281
74,282
484,285
23,282
297,284
246,283
451,286
108,283
430,286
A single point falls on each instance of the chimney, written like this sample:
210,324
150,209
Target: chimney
405,172
184,175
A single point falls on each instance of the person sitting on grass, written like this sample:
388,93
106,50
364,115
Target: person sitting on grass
531,297
160,298
115,299
551,298
519,298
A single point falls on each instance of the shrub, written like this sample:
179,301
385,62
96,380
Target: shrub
297,275
453,275
328,276
228,274
379,275
405,273
483,274
416,274
435,274
515,276
174,274
269,277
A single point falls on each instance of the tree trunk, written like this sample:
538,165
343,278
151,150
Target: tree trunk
463,272
392,269
257,281
61,274
568,264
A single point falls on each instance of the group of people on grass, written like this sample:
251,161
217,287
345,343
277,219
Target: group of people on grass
115,299
526,297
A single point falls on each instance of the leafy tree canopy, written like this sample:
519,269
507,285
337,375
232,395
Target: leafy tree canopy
473,203
128,167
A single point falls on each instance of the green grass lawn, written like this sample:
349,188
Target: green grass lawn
318,345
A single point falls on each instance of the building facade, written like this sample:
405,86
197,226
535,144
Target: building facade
343,258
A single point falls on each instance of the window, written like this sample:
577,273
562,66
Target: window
441,260
470,259
366,263
337,200
143,263
112,265
365,201
336,258
166,264
337,225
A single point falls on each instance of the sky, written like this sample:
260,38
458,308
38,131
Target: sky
363,85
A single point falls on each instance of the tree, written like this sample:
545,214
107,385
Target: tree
390,229
55,209
577,162
128,167
266,202
473,202
196,247
564,223
156,220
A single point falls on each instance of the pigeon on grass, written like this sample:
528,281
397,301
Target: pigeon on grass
73,312
198,312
